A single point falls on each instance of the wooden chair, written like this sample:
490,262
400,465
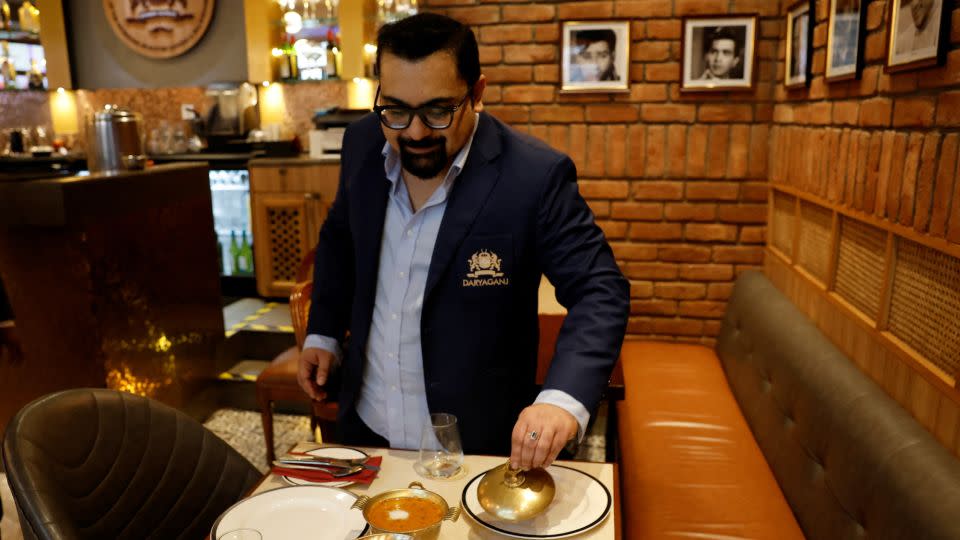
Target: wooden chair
278,382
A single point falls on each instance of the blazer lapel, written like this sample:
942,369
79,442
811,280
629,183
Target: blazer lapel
371,193
467,198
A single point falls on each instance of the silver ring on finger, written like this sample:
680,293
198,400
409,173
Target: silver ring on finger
534,435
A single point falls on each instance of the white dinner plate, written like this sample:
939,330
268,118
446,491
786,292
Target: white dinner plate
581,503
335,452
316,512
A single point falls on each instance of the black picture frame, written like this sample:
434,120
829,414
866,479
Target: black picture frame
808,9
844,72
937,54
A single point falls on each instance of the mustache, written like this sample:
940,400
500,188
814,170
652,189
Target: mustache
422,143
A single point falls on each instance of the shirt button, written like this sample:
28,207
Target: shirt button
390,355
393,316
409,233
393,387
402,274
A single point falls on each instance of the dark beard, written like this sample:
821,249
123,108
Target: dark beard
424,166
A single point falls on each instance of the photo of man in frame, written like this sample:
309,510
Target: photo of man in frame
722,53
593,56
918,28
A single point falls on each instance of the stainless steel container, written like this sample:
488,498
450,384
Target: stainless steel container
115,140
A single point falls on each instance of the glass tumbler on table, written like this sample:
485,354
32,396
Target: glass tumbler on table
441,453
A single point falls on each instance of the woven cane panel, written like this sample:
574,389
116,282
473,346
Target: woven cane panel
925,304
814,255
285,255
783,223
860,264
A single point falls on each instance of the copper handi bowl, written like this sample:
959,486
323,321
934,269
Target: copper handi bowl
386,536
431,531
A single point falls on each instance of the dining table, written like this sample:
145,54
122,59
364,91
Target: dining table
397,472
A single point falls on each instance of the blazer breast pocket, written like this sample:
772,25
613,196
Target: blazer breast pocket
485,265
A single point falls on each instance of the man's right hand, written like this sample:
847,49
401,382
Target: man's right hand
313,368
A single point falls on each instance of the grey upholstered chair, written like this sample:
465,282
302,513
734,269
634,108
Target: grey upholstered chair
94,463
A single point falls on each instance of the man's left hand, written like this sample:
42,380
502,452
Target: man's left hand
541,431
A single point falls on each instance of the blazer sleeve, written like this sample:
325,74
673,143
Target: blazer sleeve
333,272
579,262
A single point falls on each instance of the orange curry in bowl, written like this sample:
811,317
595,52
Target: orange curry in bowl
404,514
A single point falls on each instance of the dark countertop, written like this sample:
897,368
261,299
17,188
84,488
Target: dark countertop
75,200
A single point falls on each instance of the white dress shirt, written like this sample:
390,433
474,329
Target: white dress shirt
393,400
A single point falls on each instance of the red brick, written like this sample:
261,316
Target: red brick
644,8
637,151
771,29
712,191
739,149
491,54
876,47
652,270
820,113
475,15
913,112
492,94
596,150
506,33
646,92
738,254
876,112
631,251
600,209
945,75
753,235
955,27
613,229
908,182
559,137
641,289
637,211
946,176
883,179
662,29
528,93
894,183
656,150
928,166
873,173
549,73
667,113
612,113
578,144
585,10
653,307
714,232
725,113
616,151
529,54
680,291
948,109
604,189
677,149
754,192
876,12
783,114
764,8
510,114
657,190
704,309
706,272
528,13
650,51
546,32
717,151
898,83
539,131
682,253
505,74
742,213
656,231
663,72
697,150
759,147
846,112
556,113
700,7
719,291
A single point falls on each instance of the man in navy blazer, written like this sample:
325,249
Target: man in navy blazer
429,263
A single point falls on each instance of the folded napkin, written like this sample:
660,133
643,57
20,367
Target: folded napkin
365,476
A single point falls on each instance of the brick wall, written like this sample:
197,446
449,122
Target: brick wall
677,182
885,145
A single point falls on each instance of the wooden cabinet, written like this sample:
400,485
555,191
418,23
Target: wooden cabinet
289,200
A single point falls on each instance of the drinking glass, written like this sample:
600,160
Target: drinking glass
241,534
441,454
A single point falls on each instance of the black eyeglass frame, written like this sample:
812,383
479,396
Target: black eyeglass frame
419,111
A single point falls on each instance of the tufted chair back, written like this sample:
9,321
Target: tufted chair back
96,463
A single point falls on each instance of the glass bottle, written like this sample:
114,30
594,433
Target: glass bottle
35,79
235,253
6,21
246,255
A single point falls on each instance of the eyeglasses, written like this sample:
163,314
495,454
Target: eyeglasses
434,116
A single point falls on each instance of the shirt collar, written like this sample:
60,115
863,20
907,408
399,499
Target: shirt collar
392,166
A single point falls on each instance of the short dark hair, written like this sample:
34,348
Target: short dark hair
592,36
722,32
423,34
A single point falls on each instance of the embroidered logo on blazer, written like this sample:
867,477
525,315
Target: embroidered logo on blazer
485,270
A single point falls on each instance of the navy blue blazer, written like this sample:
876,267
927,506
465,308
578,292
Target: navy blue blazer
513,213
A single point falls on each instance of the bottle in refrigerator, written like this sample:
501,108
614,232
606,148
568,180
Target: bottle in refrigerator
246,254
235,253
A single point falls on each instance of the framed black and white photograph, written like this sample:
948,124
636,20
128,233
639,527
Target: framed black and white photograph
799,44
919,31
595,56
718,53
846,32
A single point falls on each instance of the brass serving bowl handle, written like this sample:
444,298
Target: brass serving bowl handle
417,485
452,514
361,503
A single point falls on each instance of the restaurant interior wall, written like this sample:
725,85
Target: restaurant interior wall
100,60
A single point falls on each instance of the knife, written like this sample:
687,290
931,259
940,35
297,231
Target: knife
336,472
315,462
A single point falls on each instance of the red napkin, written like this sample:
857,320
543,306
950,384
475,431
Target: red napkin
365,476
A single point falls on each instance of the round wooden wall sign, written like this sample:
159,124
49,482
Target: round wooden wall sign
159,28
